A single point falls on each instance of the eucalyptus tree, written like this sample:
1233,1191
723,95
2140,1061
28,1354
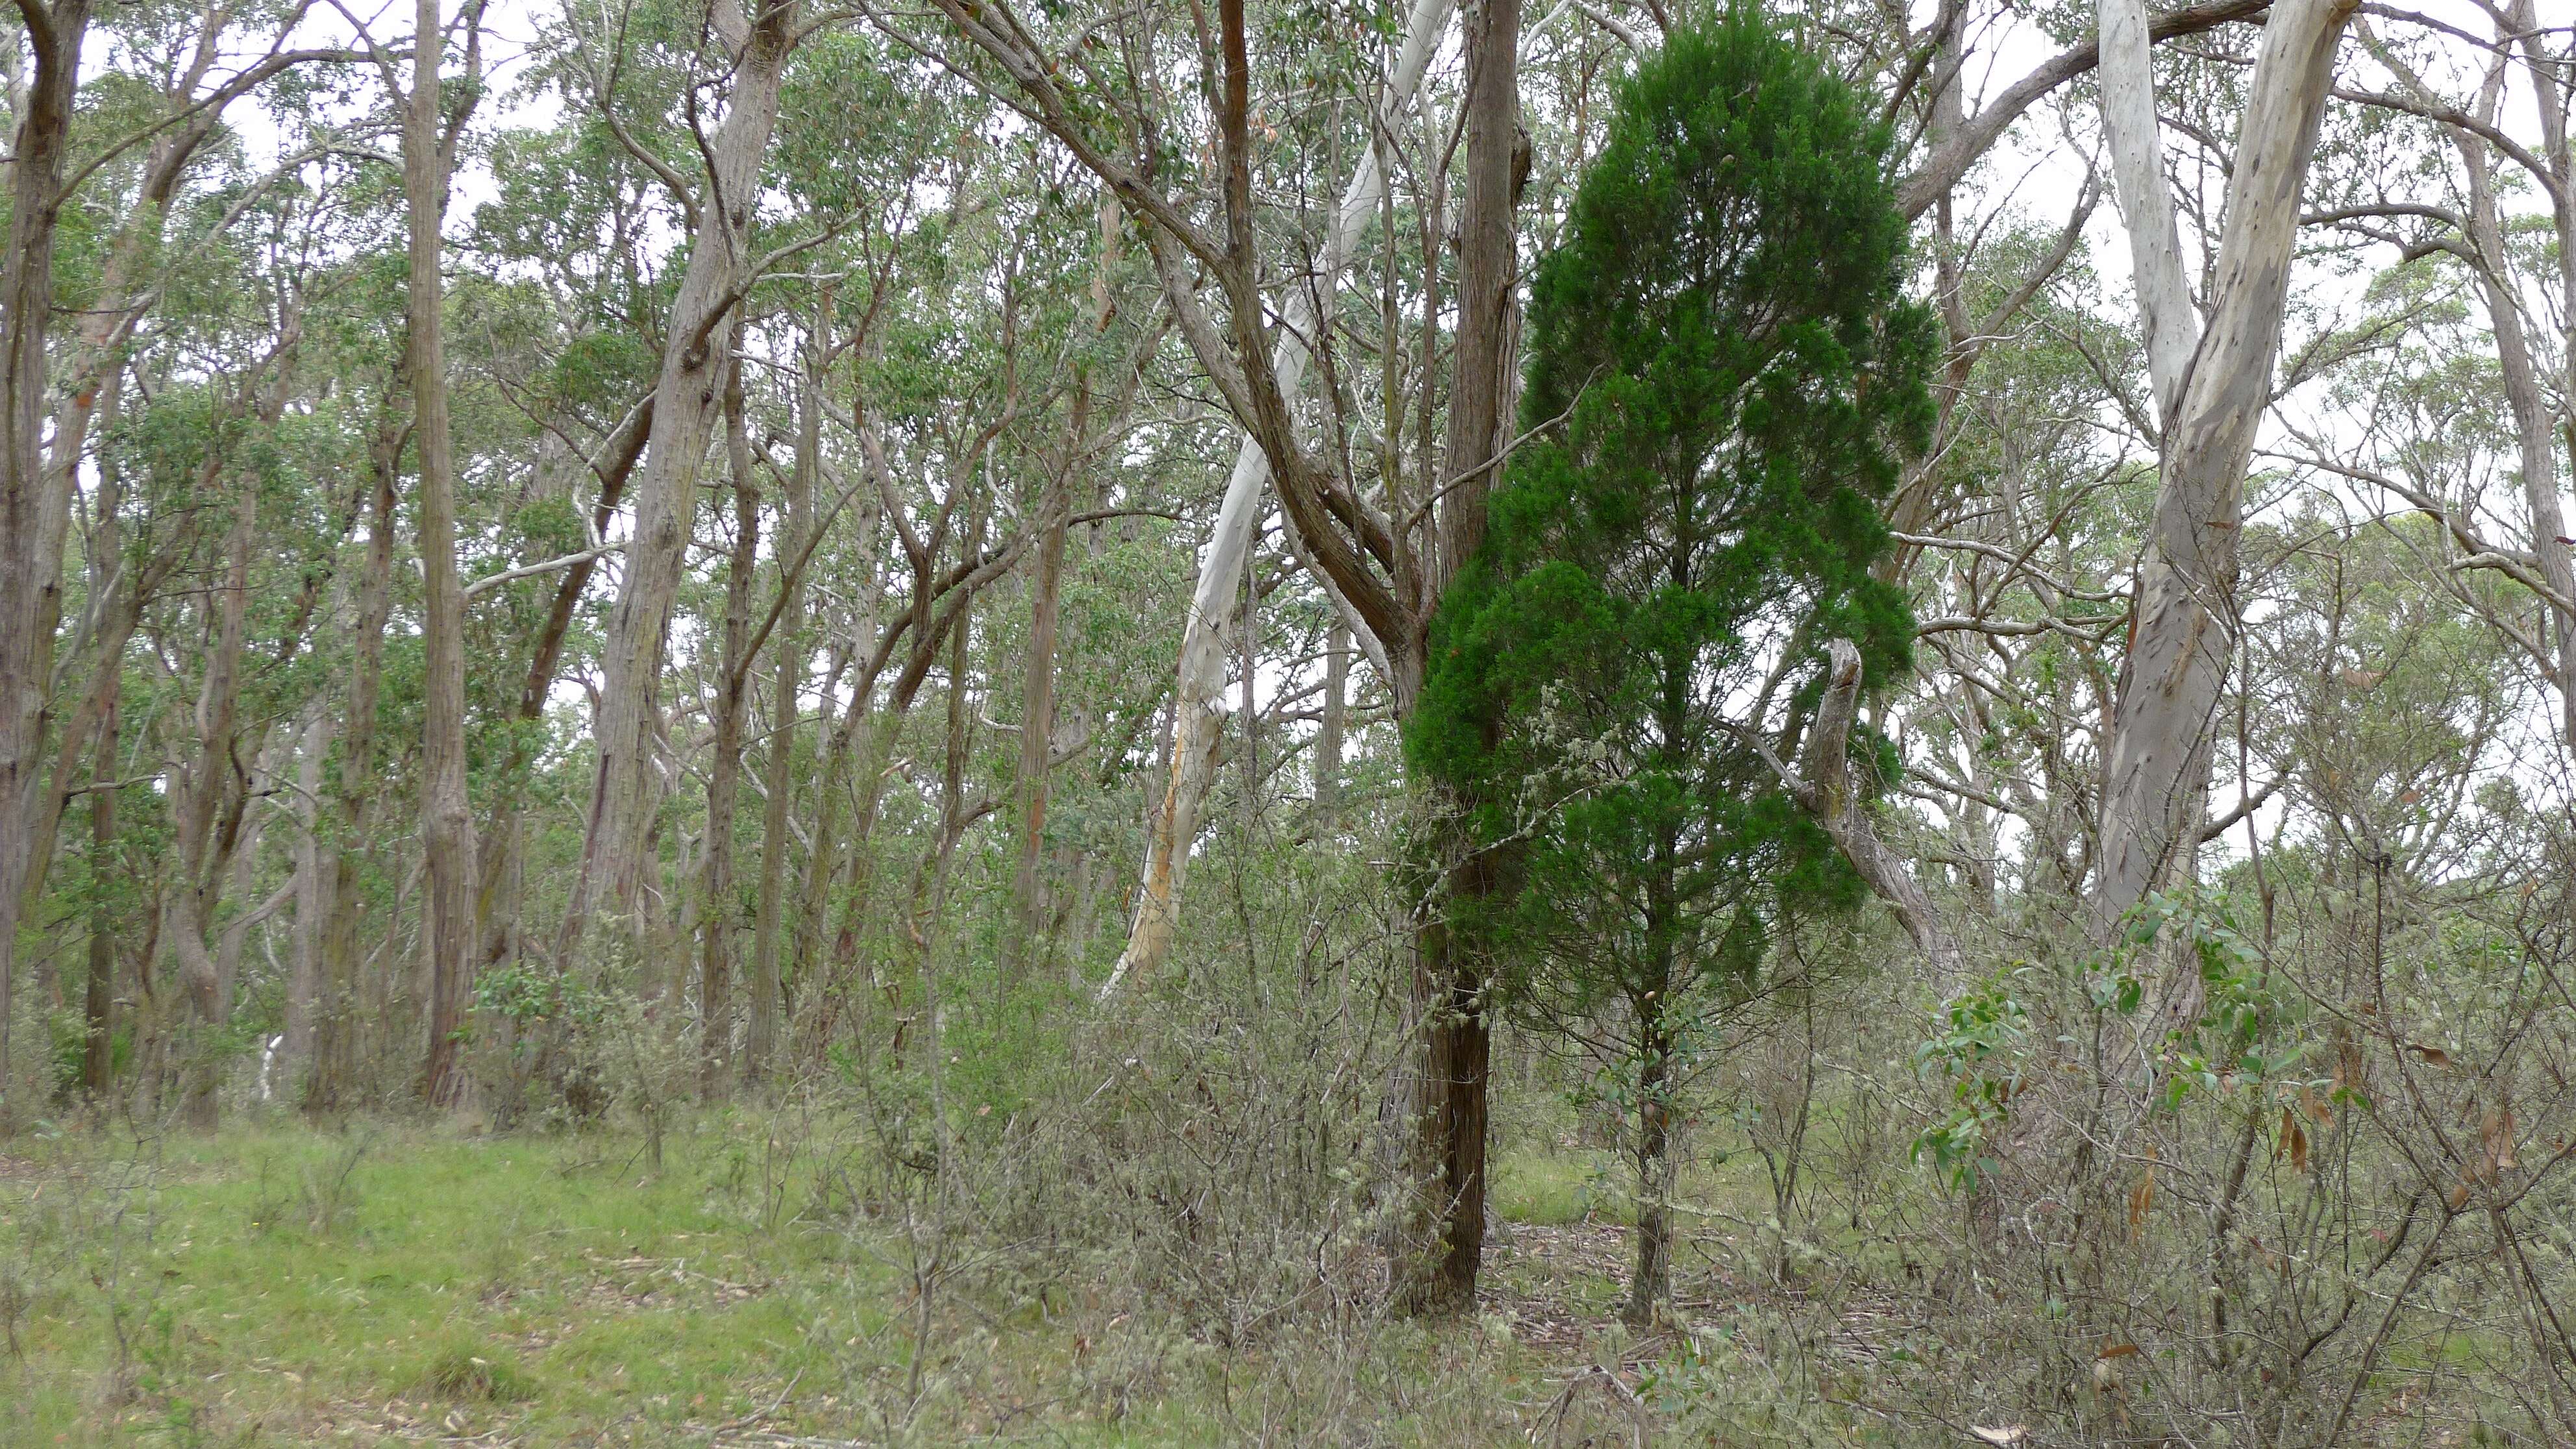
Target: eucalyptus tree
37,154
157,130
746,63
2211,383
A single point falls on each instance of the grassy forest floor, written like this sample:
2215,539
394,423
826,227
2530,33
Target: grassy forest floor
390,1284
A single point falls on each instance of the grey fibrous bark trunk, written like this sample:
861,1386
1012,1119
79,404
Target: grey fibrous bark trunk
724,770
760,1035
2211,393
1197,732
98,1004
30,591
312,899
1037,708
331,1078
1328,737
447,817
196,789
686,394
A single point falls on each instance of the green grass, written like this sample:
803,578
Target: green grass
277,1286
1555,1191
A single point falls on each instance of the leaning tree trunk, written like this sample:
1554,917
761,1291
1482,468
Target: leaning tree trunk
1197,731
686,397
2211,393
2550,545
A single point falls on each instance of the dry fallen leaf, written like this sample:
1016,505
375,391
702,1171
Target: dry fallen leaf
2009,1434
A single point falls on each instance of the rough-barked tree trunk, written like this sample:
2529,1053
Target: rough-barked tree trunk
1449,981
197,788
1037,701
346,840
724,769
29,591
98,1001
312,898
760,1032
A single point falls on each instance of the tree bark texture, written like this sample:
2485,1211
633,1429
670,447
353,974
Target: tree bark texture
447,816
687,394
30,590
2163,726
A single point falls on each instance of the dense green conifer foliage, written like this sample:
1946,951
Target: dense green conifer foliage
1723,373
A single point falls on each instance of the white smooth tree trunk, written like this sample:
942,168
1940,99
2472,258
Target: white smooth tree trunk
1197,724
2157,760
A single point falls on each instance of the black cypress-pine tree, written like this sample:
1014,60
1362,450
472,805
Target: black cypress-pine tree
1723,373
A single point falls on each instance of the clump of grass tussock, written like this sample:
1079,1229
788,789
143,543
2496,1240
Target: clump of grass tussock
471,1371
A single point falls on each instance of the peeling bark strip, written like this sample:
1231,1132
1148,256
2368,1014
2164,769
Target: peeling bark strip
1197,727
2156,765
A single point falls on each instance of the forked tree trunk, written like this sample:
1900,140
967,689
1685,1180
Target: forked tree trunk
2550,550
1197,726
2211,393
